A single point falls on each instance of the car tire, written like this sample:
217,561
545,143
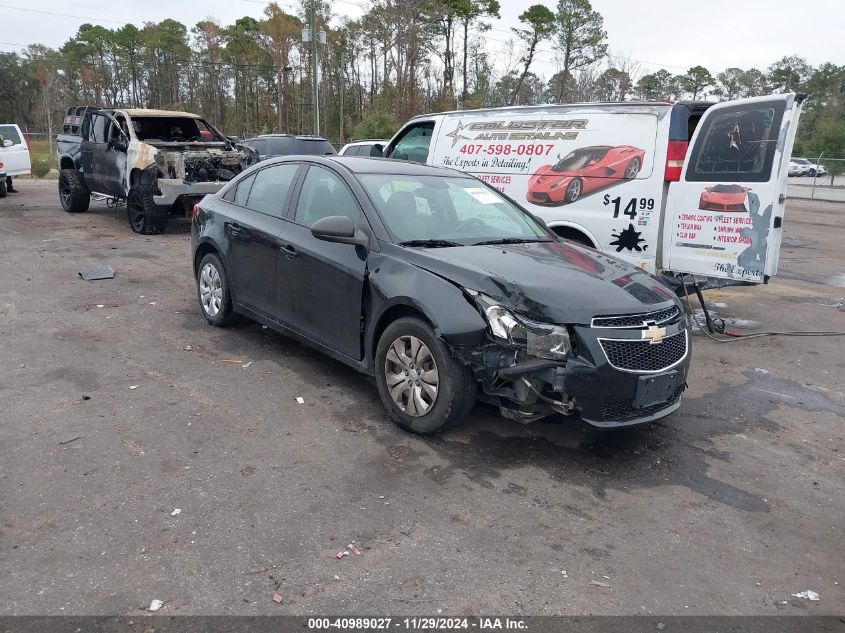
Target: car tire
2,186
453,382
73,194
573,191
145,217
633,168
213,291
812,173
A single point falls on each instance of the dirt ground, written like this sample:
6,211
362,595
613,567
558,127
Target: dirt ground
728,506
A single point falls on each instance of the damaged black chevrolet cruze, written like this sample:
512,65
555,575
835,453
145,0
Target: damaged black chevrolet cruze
442,289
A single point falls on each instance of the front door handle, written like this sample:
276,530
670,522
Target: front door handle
289,251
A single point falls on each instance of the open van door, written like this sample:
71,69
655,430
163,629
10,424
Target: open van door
725,215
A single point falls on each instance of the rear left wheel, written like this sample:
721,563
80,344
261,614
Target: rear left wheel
213,291
422,386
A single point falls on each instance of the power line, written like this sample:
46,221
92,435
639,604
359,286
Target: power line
61,15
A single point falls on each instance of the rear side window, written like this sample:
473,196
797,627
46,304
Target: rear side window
239,193
279,146
414,143
269,192
313,147
323,195
737,144
353,150
9,133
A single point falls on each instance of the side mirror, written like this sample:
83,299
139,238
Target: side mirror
340,229
7,143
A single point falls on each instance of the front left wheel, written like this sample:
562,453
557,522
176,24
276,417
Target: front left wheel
213,291
144,215
422,386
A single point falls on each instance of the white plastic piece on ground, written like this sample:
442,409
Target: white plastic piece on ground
155,605
760,370
176,511
300,400
133,386
809,595
245,365
599,583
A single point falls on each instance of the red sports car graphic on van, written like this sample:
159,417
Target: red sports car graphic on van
725,198
583,171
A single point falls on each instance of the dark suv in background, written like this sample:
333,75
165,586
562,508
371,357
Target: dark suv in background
275,145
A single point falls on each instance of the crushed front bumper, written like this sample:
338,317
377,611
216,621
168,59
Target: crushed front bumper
614,378
174,188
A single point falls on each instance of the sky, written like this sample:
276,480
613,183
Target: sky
657,33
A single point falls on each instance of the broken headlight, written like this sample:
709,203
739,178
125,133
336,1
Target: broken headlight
542,340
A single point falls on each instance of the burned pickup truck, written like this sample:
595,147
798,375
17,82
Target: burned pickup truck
159,162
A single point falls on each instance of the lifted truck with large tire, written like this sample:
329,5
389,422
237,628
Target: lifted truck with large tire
159,162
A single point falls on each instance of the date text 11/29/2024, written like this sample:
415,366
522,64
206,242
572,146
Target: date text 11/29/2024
417,623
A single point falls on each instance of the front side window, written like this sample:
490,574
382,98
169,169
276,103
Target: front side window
455,209
168,129
269,192
10,133
99,126
737,144
323,195
414,144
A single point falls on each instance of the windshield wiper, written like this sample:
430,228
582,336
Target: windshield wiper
430,243
512,240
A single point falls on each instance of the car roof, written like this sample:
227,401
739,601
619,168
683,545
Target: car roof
366,165
307,137
137,112
368,141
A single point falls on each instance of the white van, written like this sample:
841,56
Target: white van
684,187
14,152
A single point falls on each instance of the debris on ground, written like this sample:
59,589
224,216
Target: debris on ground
70,439
100,271
760,370
300,400
101,305
188,348
245,365
133,386
155,605
336,577
277,598
230,361
331,537
351,547
86,397
599,583
176,511
340,555
807,595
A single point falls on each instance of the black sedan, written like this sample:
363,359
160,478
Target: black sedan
443,289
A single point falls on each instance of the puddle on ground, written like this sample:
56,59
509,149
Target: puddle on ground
837,280
828,302
794,242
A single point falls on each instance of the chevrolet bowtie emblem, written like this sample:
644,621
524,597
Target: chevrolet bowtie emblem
654,334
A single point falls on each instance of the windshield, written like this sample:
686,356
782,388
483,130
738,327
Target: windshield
172,129
580,158
452,210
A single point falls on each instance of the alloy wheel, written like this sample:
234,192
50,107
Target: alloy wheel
574,190
211,290
411,375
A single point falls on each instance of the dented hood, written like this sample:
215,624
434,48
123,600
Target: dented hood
555,282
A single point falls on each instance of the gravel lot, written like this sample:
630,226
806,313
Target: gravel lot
728,506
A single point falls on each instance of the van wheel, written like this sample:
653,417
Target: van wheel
2,186
144,215
633,168
73,195
422,386
573,190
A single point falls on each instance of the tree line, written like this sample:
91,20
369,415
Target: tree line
399,59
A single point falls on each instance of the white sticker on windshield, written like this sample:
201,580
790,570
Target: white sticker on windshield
484,196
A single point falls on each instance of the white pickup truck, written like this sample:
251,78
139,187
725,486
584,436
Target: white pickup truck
14,155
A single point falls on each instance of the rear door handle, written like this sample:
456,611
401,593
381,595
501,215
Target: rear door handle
289,251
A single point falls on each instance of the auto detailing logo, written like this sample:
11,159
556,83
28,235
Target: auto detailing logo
539,130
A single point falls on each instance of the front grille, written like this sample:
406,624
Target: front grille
621,410
637,320
645,356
